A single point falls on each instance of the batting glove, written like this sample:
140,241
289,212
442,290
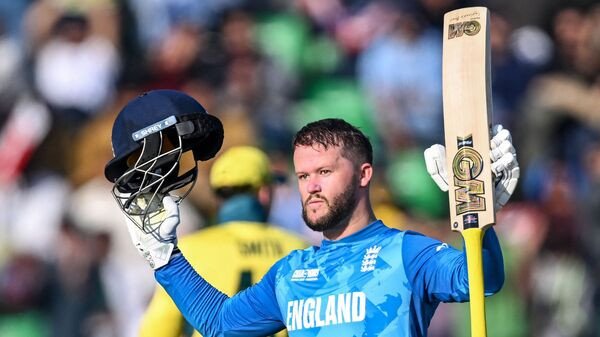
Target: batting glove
157,244
505,167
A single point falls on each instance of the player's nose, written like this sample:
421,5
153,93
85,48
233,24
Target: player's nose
313,186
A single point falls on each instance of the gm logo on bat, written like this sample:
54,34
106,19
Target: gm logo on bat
469,28
467,165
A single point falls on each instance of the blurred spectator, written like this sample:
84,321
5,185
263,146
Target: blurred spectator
24,121
23,291
589,237
562,106
172,58
27,199
514,65
41,16
76,296
557,309
155,18
34,209
255,83
405,95
75,71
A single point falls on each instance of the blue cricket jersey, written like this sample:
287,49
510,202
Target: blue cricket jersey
379,281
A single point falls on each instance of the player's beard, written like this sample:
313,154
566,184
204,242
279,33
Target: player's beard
339,210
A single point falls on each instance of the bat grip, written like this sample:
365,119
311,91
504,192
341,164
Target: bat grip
473,246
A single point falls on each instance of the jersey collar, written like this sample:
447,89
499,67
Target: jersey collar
374,228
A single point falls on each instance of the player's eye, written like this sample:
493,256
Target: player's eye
324,172
302,176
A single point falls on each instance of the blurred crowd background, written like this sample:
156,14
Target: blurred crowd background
265,68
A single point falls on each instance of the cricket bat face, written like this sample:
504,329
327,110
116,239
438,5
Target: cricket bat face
467,117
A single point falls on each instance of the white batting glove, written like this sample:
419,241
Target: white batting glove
158,244
505,167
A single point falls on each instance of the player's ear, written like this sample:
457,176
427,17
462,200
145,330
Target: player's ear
366,173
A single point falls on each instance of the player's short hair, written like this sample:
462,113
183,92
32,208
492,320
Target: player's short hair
337,132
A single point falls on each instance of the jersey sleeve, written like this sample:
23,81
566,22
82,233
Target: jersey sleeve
438,272
252,312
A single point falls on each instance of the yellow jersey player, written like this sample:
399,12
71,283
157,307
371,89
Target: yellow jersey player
239,250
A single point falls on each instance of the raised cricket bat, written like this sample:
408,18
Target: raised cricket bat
467,118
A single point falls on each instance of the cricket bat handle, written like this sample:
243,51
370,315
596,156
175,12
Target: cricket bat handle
473,246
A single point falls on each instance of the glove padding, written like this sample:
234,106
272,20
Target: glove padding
505,167
157,245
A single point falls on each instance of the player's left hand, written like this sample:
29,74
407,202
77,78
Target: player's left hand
505,167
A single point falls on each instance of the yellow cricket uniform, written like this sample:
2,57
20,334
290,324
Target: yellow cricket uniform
231,256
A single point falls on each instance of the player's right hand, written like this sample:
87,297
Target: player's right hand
505,167
157,245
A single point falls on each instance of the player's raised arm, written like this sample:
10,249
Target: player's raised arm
438,271
150,136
